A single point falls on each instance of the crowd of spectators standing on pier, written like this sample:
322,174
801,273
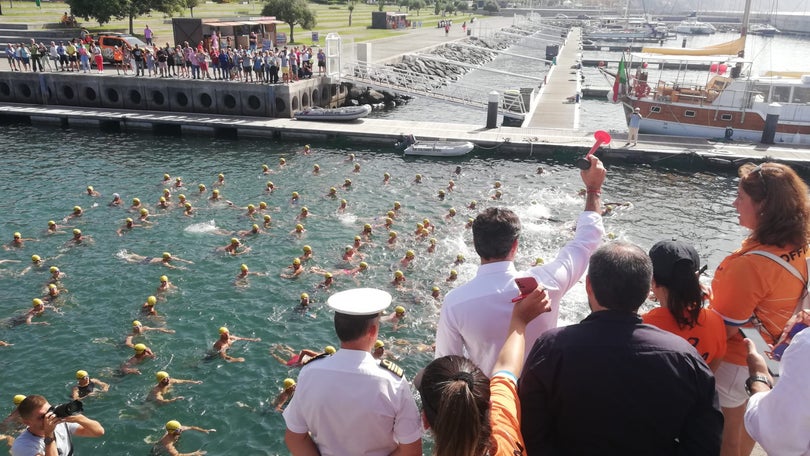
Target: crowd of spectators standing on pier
212,59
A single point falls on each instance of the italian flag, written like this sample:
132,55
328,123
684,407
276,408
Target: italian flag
621,80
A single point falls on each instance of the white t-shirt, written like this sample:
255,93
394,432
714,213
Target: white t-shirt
27,444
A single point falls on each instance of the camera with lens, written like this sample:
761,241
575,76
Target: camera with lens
67,409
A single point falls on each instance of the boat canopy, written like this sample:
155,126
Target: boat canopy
729,48
657,58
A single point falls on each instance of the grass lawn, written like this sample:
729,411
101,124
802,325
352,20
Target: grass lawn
333,18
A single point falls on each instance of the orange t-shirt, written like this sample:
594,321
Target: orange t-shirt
708,336
747,285
504,417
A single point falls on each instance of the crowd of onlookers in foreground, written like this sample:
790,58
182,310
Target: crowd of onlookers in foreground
205,61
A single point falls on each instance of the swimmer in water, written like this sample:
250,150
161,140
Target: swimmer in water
379,350
407,259
163,203
52,293
307,253
350,158
386,178
262,206
269,187
166,179
178,182
392,238
451,213
116,201
225,341
453,276
17,241
142,353
316,169
138,329
304,300
294,198
254,230
472,206
417,179
127,227
86,386
53,228
235,247
303,214
457,171
399,279
366,233
79,238
441,195
285,395
136,205
37,310
201,189
220,182
91,191
298,231
459,259
166,444
167,194
350,254
282,162
267,221
77,212
165,260
358,243
342,207
332,193
328,280
144,216
397,207
469,224
164,386
244,273
56,274
266,170
148,308
295,270
498,194
251,211
451,185
436,293
306,150
356,169
287,356
165,286
347,184
428,225
188,209
394,318
388,223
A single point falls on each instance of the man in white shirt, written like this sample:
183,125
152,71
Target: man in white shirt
476,315
349,403
779,418
47,434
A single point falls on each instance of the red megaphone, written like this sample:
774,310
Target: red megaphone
601,137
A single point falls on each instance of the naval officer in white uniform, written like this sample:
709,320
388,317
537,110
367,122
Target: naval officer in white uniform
350,403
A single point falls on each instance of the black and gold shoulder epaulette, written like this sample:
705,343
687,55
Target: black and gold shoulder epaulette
388,365
321,356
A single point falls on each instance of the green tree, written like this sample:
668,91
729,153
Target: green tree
437,7
351,3
293,12
190,4
416,5
380,5
105,10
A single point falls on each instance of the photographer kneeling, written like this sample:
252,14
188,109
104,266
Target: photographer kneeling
50,428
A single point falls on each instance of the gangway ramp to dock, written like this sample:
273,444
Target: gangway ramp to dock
554,108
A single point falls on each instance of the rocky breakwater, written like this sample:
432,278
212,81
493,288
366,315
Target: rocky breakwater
426,72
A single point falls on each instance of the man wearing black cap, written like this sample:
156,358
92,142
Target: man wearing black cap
350,403
630,388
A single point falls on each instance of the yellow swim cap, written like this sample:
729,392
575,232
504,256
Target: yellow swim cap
459,257
234,241
441,192
151,300
452,211
220,176
136,201
295,194
288,383
304,209
329,350
167,192
77,208
435,289
19,398
348,181
35,258
166,176
265,167
164,278
269,183
181,196
389,220
357,238
332,190
255,227
432,240
53,269
215,191
399,310
262,205
244,267
296,261
392,234
307,248
51,286
348,248
379,344
367,226
77,231
251,207
453,272
304,296
37,302
299,227
343,201
140,348
187,205
357,166
162,199
136,323
144,211
178,179
51,223
166,255
223,330
386,175
282,160
397,205
317,166
267,216
128,220
80,374
17,235
363,265
390,214
90,187
418,176
173,425
201,186
328,275
409,254
161,375
398,274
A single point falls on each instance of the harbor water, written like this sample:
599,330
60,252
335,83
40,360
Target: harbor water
45,174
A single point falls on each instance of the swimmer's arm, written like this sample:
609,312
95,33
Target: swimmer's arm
181,381
247,339
300,444
182,260
128,341
104,386
74,393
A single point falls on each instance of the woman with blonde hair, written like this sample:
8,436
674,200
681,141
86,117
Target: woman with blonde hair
758,285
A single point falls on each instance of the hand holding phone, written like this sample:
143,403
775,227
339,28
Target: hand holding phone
762,348
526,285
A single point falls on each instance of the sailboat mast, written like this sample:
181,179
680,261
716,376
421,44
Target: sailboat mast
746,18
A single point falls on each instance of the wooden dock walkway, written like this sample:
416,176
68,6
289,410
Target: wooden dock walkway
552,109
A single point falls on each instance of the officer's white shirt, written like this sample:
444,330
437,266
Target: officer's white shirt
352,406
475,316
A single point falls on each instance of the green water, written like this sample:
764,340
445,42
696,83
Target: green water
46,171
